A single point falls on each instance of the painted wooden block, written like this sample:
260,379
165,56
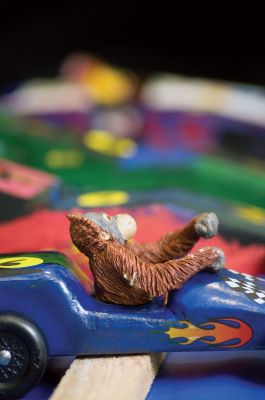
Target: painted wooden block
146,168
167,129
24,189
239,221
48,312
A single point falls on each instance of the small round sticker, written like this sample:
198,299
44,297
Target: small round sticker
19,262
102,199
105,143
64,158
251,213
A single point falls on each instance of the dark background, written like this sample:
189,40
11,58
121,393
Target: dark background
34,39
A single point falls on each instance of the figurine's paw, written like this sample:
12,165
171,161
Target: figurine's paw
220,262
206,225
131,281
215,258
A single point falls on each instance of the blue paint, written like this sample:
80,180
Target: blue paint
211,376
147,157
188,376
75,323
43,391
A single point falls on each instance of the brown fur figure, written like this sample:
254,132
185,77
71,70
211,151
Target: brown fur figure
132,274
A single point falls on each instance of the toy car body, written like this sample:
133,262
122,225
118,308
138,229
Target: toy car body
46,312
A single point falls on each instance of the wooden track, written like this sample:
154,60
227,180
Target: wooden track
108,378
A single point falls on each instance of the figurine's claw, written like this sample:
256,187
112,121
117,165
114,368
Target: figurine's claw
220,262
207,225
132,281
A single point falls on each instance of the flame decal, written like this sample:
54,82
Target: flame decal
213,332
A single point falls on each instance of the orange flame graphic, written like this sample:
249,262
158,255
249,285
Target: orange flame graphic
219,332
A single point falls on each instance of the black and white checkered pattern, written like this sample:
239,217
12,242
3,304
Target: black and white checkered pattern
247,284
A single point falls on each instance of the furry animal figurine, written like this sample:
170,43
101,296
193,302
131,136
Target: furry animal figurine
132,274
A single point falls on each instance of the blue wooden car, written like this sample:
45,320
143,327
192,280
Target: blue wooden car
46,313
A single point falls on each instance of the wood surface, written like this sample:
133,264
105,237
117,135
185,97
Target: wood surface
108,378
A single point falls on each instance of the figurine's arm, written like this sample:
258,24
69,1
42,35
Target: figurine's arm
178,243
157,279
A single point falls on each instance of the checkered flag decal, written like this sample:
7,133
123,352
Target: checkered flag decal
247,284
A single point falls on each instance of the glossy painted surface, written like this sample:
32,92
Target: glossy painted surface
208,313
210,376
61,154
25,183
188,376
238,220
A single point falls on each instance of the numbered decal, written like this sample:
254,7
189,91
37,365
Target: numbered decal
20,262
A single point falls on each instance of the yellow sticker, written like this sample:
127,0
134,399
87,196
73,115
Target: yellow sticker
19,262
102,199
107,85
104,143
64,158
253,214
